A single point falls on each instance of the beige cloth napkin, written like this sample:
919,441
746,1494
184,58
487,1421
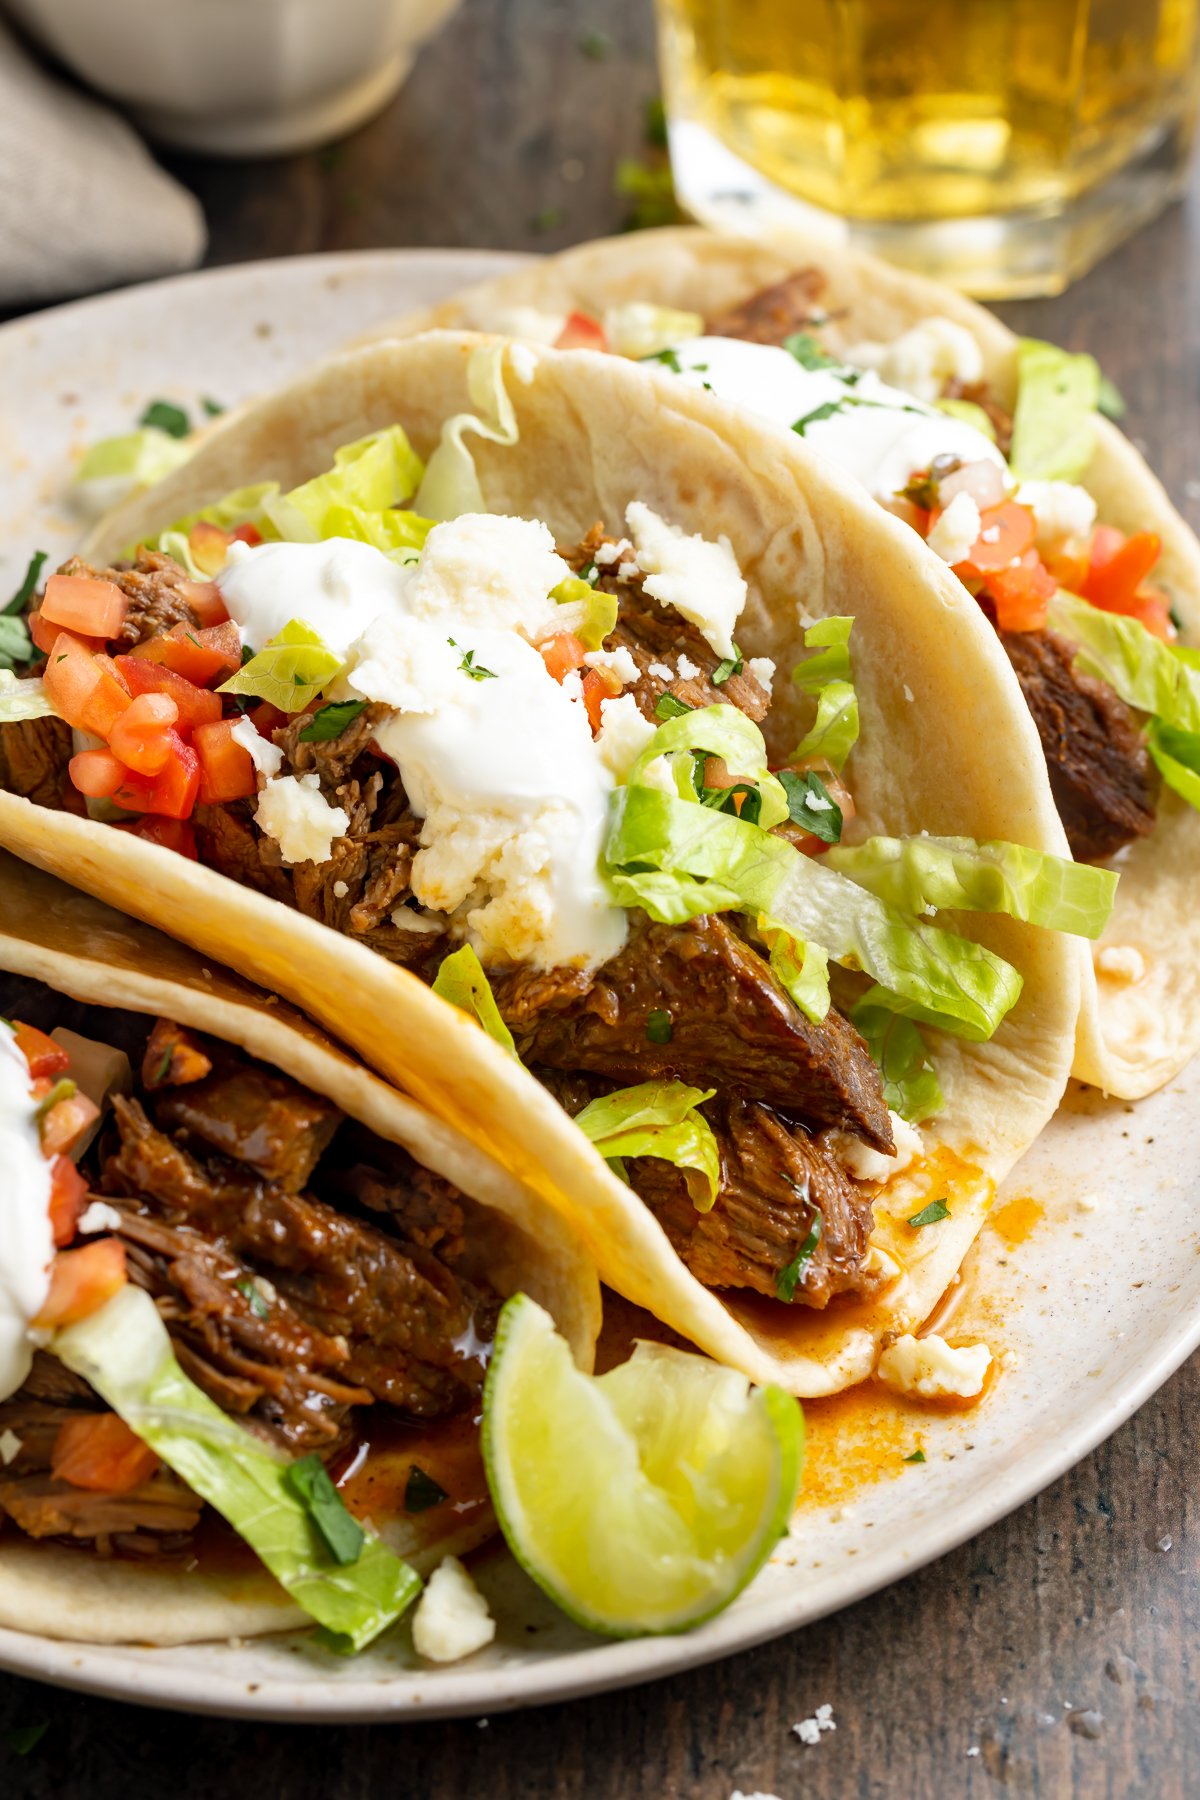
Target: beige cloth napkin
83,205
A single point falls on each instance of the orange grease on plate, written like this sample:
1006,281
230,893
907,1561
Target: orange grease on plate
1017,1219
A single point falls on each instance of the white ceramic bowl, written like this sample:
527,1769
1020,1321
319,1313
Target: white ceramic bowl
239,77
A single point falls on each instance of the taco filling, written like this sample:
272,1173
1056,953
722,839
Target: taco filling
538,777
993,492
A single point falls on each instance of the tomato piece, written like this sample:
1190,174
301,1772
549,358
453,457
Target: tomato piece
64,1125
173,791
209,546
561,653
45,635
266,719
1106,541
197,705
206,601
1069,565
1114,575
581,332
1020,594
84,686
96,773
171,834
140,736
85,604
203,656
246,534
68,1191
1014,527
595,692
43,1055
226,769
99,1452
1151,609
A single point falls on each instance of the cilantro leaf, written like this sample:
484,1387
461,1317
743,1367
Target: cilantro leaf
808,353
475,670
659,1029
421,1491
329,722
918,1456
785,1285
933,1214
670,708
343,1535
729,665
166,416
253,1295
811,805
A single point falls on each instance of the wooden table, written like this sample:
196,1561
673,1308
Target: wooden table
1058,1654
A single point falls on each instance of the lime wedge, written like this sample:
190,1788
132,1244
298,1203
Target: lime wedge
642,1500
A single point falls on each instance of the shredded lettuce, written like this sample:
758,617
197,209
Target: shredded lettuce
289,672
717,730
918,873
124,1351
357,498
1176,756
1057,396
451,484
639,328
461,980
596,611
828,676
1158,678
970,414
678,860
802,970
910,1084
23,699
116,467
659,1118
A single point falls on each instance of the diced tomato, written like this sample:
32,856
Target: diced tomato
173,791
266,718
209,545
1021,592
1014,528
581,332
142,736
171,834
43,1055
246,534
202,656
562,653
1116,571
45,635
206,601
595,692
63,1126
85,687
1068,563
197,705
226,768
97,773
99,1452
80,603
68,1191
82,1280
1151,609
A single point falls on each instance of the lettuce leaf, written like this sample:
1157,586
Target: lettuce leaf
357,497
828,677
597,613
124,1351
970,414
910,1084
1057,396
1176,756
659,1118
1158,678
23,699
116,467
461,980
802,970
451,484
917,873
639,328
289,672
717,730
679,860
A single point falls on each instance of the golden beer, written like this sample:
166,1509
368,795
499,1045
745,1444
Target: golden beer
1061,123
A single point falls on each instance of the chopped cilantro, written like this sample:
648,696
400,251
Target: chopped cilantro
933,1214
824,411
421,1491
165,416
658,1026
589,573
808,353
28,585
811,805
669,358
212,408
164,1066
729,665
670,708
329,722
785,1285
247,654
922,489
63,1089
475,670
309,1480
725,799
253,1295
917,1456
22,1739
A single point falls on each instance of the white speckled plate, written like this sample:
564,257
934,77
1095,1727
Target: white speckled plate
1096,1306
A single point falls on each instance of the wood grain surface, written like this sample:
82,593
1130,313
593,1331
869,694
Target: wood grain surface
1059,1653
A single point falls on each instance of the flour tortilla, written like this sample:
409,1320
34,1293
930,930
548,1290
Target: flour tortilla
946,746
59,936
1131,1037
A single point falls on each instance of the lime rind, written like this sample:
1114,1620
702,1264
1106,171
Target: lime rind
641,1501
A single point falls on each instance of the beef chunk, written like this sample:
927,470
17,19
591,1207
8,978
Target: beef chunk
257,1117
229,843
1099,770
775,1181
173,1057
733,1027
153,586
774,313
34,754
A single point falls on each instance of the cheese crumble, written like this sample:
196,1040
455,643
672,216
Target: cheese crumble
452,1618
929,1368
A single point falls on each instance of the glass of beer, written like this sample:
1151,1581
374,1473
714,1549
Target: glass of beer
1003,145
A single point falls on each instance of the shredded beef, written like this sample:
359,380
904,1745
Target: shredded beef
732,1026
1099,769
43,1506
228,843
257,1117
152,586
34,754
775,1181
330,758
774,313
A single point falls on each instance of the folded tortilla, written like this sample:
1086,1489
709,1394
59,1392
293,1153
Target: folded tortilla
54,934
946,746
1132,1037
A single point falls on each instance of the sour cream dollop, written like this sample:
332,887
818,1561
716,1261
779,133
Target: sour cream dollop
874,432
26,1243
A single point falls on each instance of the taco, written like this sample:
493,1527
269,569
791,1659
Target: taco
247,1293
682,905
994,449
